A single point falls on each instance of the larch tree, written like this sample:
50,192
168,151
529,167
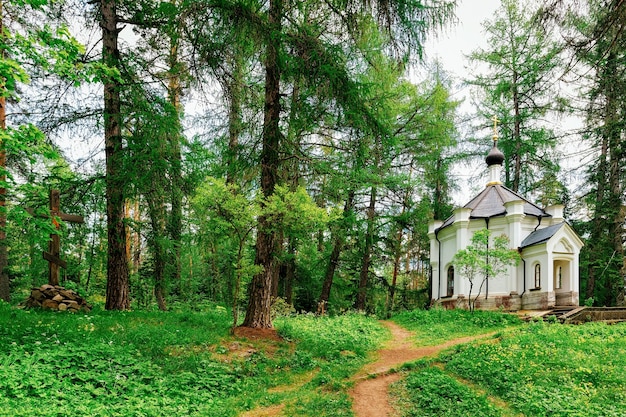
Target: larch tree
519,86
118,286
594,35
407,23
599,44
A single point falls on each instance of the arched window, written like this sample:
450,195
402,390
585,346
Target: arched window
559,278
450,291
537,275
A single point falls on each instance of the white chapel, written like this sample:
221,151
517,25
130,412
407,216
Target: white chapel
547,275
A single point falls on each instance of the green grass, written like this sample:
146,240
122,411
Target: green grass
551,370
175,364
428,392
183,363
435,326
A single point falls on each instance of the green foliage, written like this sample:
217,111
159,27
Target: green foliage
174,363
85,363
437,325
333,337
294,212
551,370
280,308
483,259
522,61
430,392
337,345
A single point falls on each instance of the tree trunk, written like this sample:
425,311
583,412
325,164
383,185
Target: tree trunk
615,217
258,314
396,268
290,270
136,240
175,221
279,255
117,294
233,89
517,137
367,254
157,212
338,240
5,292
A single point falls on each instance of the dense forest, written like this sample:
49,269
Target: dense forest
286,152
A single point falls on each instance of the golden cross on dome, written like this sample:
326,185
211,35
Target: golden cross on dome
495,128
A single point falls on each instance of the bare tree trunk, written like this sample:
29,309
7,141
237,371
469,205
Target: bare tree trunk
117,294
258,314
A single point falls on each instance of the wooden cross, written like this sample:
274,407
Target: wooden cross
54,245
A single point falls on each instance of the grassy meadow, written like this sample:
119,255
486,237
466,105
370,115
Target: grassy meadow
176,364
536,369
185,363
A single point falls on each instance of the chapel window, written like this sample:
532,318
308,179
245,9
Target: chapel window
538,276
559,278
450,291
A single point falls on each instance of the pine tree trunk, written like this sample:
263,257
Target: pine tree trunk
117,294
367,254
258,314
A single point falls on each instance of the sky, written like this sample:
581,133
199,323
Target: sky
452,44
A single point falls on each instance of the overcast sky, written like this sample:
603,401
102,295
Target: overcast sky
464,37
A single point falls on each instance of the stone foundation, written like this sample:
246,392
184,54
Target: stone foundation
569,298
511,302
531,300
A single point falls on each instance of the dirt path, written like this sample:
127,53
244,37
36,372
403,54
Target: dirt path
370,396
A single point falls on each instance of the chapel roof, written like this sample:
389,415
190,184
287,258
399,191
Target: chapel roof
541,235
490,203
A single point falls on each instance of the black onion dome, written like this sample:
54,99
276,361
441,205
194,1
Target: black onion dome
495,157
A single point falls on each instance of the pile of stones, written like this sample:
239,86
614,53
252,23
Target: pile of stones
55,297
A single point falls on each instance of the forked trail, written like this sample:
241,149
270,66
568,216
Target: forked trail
370,397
